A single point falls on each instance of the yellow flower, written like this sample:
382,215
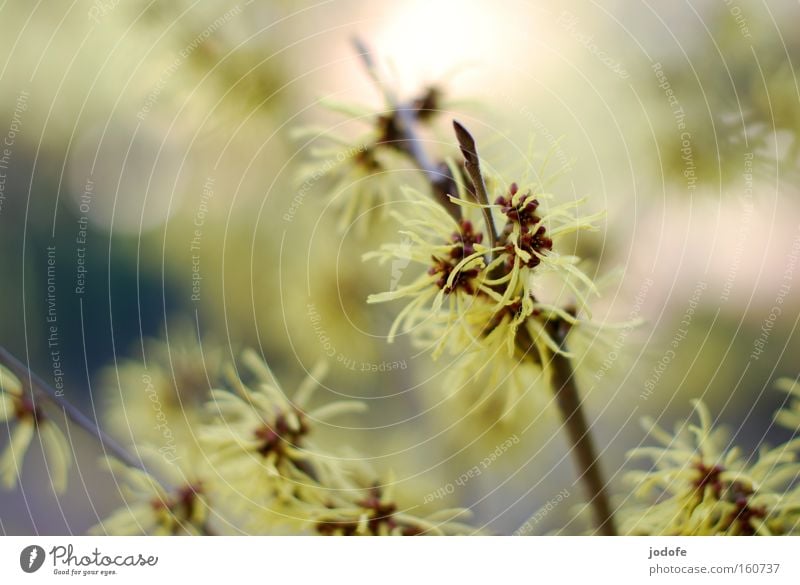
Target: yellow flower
152,509
361,508
159,400
512,389
532,227
456,263
258,444
475,295
364,173
790,417
700,485
19,411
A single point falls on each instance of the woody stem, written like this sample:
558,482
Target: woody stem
583,449
438,175
40,388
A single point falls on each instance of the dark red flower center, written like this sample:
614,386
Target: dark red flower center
464,241
278,437
734,492
533,237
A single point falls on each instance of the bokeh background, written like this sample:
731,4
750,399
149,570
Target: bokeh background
153,145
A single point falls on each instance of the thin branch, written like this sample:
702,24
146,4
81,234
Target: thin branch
372,69
438,175
472,164
569,403
41,388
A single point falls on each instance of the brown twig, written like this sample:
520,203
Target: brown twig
39,387
583,450
405,137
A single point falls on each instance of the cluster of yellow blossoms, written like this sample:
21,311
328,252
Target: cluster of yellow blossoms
255,469
482,302
364,173
700,484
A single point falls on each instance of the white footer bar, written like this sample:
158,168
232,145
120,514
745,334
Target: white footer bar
484,560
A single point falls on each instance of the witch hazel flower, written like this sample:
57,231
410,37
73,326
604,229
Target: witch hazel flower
358,504
699,484
529,234
789,417
26,420
257,440
373,512
365,171
172,502
479,293
450,250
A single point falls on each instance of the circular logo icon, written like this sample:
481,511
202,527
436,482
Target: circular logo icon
31,558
